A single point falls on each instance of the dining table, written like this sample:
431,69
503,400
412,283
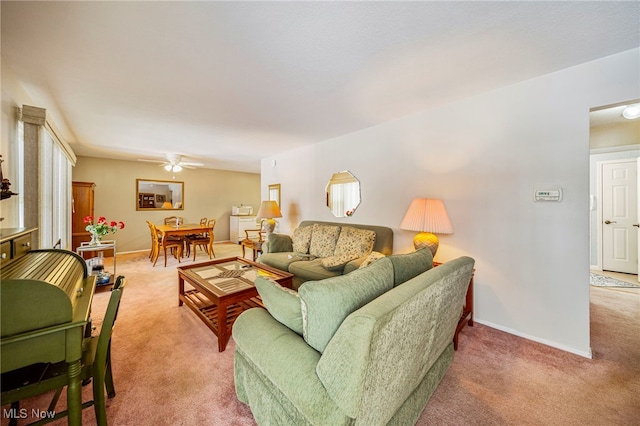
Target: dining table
181,230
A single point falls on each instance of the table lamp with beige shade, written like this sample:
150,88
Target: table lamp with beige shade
429,217
269,210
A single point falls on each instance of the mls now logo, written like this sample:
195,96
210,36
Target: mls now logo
23,413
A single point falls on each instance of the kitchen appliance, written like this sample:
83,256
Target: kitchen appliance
241,210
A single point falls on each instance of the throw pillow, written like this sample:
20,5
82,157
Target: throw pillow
336,263
323,240
301,237
282,303
407,266
326,303
373,256
355,241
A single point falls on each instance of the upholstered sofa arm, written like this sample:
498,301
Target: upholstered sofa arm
382,351
269,355
278,243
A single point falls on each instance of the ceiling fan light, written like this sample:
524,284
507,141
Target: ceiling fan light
167,167
631,112
177,168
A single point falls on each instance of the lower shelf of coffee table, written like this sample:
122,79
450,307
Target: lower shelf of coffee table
208,311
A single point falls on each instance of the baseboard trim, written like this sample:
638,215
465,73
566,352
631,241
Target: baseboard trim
586,354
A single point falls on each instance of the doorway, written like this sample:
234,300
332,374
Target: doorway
615,148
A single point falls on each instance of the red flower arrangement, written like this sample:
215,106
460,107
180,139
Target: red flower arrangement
101,227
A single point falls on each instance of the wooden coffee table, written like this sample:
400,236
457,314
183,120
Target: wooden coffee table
223,289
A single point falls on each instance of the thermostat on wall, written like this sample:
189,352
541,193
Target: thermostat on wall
547,195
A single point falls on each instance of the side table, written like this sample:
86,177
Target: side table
467,309
99,250
467,312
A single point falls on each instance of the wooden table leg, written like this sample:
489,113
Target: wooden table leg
223,337
180,289
467,313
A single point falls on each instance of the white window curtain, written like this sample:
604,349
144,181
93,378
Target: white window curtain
55,192
344,196
20,182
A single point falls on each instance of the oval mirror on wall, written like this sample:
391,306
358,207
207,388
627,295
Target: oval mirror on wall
343,194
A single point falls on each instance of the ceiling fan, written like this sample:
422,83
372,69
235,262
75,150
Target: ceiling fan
174,163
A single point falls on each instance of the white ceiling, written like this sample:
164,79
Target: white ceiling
229,83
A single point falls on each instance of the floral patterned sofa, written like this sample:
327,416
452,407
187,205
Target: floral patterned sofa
318,250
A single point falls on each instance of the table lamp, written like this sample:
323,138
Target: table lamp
429,217
269,210
166,205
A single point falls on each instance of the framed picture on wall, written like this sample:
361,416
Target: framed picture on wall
160,198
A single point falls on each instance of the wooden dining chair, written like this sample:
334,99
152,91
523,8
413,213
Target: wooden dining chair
154,246
173,220
163,244
40,378
254,238
204,241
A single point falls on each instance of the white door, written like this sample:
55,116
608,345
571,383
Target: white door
619,215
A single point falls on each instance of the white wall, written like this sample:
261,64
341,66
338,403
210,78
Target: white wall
207,193
13,96
484,156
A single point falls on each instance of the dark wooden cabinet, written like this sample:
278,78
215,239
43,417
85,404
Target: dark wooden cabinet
146,200
82,206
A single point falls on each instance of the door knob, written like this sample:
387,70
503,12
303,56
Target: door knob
637,225
609,222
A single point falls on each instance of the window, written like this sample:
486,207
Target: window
55,191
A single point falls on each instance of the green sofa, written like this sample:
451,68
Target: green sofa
308,262
369,348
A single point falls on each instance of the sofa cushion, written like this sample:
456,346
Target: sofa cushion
353,265
277,243
337,263
282,303
301,237
323,240
326,303
354,241
312,270
407,266
280,261
372,257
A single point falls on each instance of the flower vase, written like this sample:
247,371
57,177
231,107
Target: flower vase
95,239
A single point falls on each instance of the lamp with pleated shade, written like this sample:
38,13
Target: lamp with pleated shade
428,217
269,210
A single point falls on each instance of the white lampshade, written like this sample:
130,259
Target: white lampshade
427,215
269,210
